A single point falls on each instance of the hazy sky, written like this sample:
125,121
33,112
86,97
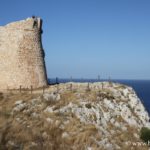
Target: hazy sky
84,38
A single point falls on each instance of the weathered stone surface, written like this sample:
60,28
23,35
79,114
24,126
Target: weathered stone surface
21,55
77,117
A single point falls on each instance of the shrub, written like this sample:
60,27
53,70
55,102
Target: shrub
145,134
1,96
88,105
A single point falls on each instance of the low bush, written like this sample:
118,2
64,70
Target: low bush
88,105
1,96
145,134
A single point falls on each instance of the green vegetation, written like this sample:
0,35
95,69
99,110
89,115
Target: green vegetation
145,134
88,105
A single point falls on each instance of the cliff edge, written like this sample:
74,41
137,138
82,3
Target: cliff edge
74,116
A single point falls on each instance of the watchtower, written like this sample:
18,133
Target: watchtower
22,55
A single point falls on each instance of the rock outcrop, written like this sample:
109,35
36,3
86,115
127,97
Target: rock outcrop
21,55
80,116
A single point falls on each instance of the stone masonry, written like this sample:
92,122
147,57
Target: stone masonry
21,55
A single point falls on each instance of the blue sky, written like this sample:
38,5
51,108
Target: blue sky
84,38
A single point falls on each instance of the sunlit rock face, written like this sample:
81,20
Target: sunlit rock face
86,116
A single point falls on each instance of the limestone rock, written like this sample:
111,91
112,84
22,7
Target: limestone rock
51,97
108,116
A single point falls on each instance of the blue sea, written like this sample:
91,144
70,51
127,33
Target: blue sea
142,87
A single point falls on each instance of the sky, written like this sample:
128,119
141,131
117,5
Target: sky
87,38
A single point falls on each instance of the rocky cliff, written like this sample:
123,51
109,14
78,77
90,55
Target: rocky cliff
75,116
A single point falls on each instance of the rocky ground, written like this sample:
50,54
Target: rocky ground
73,116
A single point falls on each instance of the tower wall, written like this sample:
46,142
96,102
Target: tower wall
21,55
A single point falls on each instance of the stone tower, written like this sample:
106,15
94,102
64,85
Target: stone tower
21,55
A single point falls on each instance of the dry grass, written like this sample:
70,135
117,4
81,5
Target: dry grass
81,133
123,137
39,134
22,136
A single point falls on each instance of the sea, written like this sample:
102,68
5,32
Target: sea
141,87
